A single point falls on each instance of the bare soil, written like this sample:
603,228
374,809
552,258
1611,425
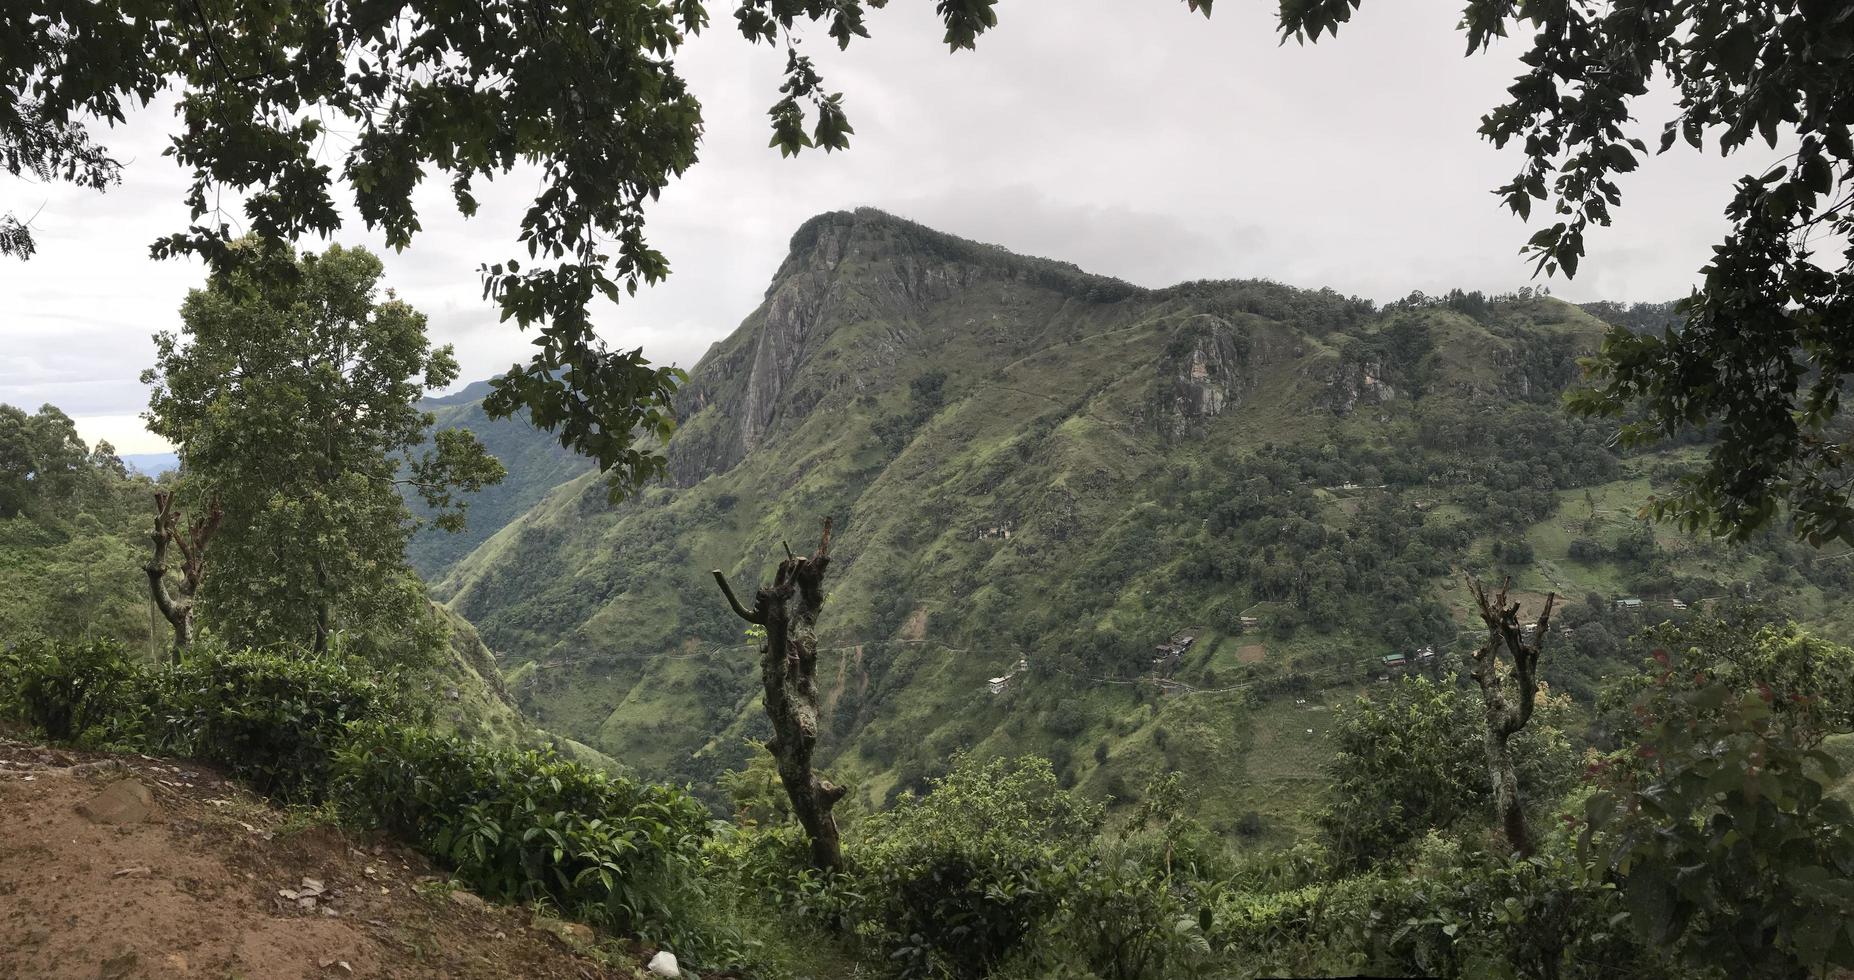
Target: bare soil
198,883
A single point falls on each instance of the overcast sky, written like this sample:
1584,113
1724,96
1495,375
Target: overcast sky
1127,136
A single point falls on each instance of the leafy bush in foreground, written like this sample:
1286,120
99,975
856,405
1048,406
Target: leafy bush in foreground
527,825
1723,826
273,720
955,881
1448,913
92,693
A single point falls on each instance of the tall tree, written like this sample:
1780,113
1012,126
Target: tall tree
293,403
788,610
41,458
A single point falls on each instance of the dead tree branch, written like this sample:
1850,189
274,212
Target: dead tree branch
788,609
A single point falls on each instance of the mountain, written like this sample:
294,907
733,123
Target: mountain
151,465
535,463
1196,517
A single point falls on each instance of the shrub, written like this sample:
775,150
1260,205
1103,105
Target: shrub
527,825
1587,551
76,692
955,881
1448,914
1723,825
273,720
1410,758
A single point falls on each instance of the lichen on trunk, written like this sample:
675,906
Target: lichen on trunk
788,610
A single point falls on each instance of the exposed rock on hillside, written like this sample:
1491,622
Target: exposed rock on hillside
863,273
1204,373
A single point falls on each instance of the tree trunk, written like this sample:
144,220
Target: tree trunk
1507,804
321,608
321,628
1507,717
178,610
788,610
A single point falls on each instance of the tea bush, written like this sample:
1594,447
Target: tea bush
89,693
1447,913
273,720
952,883
527,825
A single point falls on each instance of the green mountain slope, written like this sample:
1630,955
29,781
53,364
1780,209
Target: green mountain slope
1026,462
535,464
71,570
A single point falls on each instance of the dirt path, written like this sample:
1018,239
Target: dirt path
128,867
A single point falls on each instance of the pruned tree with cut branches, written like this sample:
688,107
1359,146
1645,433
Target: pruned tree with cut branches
788,610
1509,697
177,606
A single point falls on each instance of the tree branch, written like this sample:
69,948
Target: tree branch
739,610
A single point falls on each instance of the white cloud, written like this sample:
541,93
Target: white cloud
124,433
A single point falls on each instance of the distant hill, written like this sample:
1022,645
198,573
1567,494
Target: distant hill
150,465
1029,462
535,463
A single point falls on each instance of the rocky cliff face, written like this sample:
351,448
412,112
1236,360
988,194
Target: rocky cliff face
1354,383
1204,373
863,269
739,384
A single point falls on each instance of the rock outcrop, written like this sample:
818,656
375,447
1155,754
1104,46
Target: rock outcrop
1203,375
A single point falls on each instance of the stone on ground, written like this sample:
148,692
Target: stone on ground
664,964
123,801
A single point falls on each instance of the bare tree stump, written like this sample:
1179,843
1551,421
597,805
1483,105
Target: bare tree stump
1507,711
788,609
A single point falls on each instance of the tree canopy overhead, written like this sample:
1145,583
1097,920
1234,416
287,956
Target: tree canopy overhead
588,93
1765,347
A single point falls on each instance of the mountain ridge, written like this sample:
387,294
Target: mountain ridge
1028,462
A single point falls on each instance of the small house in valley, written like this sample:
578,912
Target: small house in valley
1169,652
1002,683
996,532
